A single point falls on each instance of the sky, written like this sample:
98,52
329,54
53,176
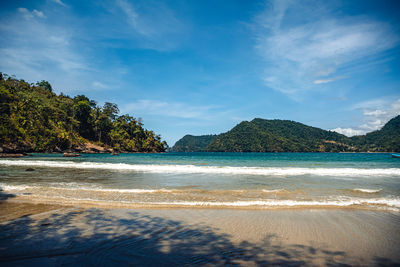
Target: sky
201,66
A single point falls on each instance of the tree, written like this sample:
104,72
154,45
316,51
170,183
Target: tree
82,114
45,85
78,98
111,110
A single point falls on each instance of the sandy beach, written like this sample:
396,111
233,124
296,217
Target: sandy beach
48,235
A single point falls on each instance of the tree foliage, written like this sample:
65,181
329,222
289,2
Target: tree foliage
190,143
34,118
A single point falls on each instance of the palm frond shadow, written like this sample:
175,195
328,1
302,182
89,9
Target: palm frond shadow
94,238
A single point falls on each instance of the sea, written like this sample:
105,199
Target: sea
208,180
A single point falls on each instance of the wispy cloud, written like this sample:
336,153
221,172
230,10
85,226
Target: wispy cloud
36,47
321,81
99,85
49,47
170,109
30,14
59,2
131,15
153,23
50,42
304,55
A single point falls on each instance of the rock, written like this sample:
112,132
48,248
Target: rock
11,155
71,155
30,169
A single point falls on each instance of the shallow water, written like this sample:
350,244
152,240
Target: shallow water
261,180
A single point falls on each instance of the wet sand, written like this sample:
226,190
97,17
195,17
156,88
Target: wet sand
48,235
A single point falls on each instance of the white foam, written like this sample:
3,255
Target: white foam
273,190
392,204
363,190
158,168
7,187
334,201
395,202
75,186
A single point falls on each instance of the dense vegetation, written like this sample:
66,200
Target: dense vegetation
190,143
34,118
261,135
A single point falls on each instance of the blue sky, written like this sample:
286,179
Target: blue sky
201,67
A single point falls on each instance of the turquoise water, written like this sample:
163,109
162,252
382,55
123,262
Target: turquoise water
339,160
359,180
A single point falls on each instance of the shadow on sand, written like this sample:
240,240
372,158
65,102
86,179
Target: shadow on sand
95,238
5,196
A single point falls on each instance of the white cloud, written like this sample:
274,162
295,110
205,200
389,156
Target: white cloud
376,114
348,131
59,2
99,85
30,14
323,81
169,109
38,13
300,55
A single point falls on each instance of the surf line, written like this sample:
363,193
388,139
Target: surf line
158,168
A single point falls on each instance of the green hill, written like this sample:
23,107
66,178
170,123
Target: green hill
190,143
35,119
260,135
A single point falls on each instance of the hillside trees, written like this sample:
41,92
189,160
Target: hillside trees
261,135
34,118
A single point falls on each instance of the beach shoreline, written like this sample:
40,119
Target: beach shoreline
35,200
69,234
206,209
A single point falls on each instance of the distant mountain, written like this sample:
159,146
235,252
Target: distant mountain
190,143
260,135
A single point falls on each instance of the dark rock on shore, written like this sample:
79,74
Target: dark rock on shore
17,148
71,155
11,155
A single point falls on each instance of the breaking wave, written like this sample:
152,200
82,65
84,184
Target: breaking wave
395,202
193,169
363,190
193,198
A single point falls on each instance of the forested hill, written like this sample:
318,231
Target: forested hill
190,143
260,135
35,119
